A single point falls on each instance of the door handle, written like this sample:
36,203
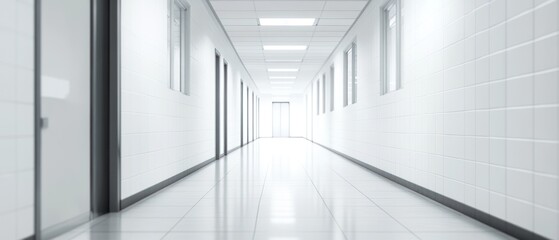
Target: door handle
44,123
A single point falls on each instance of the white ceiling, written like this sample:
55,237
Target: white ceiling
240,19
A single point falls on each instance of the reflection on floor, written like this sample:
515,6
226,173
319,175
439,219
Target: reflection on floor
285,189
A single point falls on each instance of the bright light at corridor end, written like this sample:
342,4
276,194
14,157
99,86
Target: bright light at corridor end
287,21
285,47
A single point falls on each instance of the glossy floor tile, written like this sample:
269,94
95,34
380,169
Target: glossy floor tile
285,189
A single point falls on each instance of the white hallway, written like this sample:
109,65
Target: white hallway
112,113
288,189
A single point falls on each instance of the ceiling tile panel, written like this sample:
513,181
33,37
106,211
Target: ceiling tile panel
240,20
289,14
236,14
344,5
288,5
335,21
233,5
340,14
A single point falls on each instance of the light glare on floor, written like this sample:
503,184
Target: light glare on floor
287,21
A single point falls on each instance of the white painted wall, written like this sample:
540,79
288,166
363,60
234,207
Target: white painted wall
16,123
297,110
165,132
477,118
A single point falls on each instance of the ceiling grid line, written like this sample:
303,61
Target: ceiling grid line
331,21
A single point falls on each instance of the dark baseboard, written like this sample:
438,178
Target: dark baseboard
64,227
497,223
234,149
32,237
129,201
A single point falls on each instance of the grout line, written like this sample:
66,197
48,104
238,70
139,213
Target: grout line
322,198
214,163
260,199
533,144
379,207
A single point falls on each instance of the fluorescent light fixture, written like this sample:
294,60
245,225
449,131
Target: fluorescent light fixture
283,70
284,60
276,82
287,21
285,47
282,88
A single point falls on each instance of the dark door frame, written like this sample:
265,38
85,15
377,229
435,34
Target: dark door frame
242,109
253,115
217,104
225,72
247,110
105,108
37,119
100,75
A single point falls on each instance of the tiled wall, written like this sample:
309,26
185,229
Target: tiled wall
477,118
165,132
16,123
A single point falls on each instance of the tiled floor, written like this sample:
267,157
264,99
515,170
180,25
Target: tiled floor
285,189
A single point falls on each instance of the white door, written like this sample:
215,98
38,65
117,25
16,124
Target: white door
65,106
280,119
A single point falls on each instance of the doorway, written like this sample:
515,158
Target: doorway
219,109
225,111
65,155
280,119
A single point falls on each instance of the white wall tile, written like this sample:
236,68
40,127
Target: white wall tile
481,92
545,53
545,157
520,60
497,205
520,123
16,122
546,88
520,154
545,222
546,123
520,184
520,30
520,92
545,192
546,19
166,132
482,175
515,8
520,213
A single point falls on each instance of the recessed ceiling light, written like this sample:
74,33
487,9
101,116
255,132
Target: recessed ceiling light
279,83
285,47
282,87
283,69
284,60
287,21
278,77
